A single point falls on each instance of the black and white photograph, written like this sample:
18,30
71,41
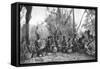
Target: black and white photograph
57,34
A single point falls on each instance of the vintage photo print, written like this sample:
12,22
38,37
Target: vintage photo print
56,34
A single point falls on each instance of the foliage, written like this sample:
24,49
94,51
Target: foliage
59,33
58,22
90,22
90,26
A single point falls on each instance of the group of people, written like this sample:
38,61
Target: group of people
52,44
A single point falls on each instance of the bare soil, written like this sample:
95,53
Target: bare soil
56,57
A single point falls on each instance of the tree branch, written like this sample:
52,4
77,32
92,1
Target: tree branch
81,20
68,17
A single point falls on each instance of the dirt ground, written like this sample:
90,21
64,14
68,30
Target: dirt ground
56,57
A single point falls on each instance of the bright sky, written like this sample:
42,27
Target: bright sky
39,14
78,15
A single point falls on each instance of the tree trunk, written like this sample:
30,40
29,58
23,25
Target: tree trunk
28,16
73,25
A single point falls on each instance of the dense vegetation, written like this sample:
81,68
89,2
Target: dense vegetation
59,33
